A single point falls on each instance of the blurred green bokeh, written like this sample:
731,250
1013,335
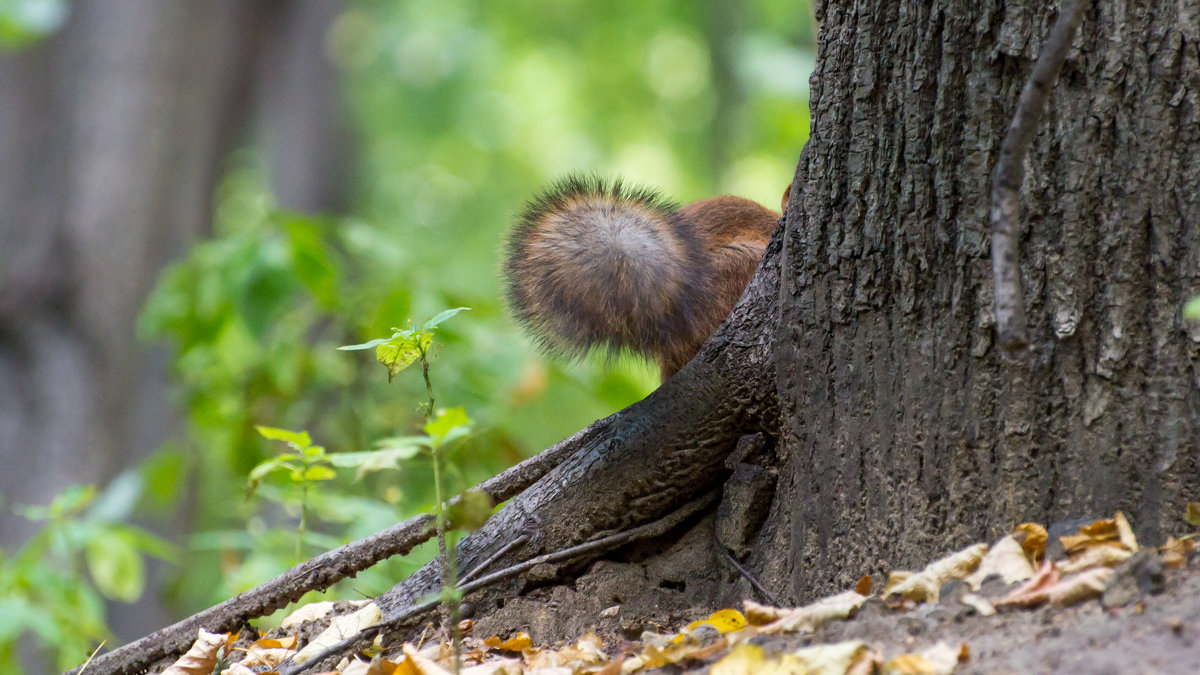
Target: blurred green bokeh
461,110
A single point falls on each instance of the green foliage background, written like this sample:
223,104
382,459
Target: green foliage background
461,110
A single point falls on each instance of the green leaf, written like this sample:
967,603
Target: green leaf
398,355
1191,309
442,317
450,424
116,566
264,468
383,459
296,439
471,511
319,472
314,452
376,342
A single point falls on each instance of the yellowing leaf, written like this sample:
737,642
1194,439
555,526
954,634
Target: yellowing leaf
925,585
202,657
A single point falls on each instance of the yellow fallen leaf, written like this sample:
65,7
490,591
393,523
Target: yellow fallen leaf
519,643
202,657
1033,539
925,585
809,617
1007,558
724,621
752,660
1102,532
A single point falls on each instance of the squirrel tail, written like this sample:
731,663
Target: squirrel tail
596,264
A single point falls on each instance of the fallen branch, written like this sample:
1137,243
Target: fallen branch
1013,334
322,571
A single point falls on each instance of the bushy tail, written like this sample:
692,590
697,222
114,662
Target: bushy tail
598,264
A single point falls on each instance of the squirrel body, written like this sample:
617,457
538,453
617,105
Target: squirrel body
598,264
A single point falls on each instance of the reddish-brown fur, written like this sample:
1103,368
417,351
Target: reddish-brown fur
592,264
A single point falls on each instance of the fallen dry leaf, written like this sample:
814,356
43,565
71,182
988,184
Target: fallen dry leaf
518,643
1008,558
415,664
924,585
1101,532
340,628
807,618
1105,555
308,613
1191,514
202,657
980,604
1079,587
1175,552
724,621
940,659
753,660
835,658
1032,592
1033,539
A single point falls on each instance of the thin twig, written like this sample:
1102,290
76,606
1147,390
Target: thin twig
1011,328
504,550
647,531
762,591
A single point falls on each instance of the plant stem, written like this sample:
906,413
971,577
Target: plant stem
451,614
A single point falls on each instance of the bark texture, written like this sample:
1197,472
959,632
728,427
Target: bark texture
906,431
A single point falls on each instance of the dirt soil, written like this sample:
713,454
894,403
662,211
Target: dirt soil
1157,633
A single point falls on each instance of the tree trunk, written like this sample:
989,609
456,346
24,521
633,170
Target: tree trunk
902,430
906,430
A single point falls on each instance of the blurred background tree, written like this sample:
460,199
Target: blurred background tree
262,182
